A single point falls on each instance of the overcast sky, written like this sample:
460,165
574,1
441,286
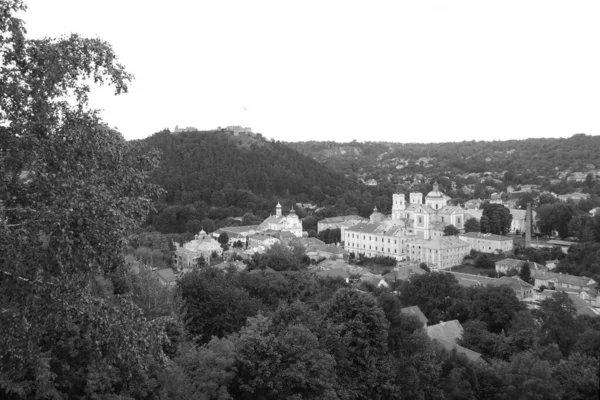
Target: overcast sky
405,71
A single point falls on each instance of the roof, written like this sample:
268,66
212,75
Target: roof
444,242
583,308
514,282
377,228
486,236
334,273
404,272
472,280
560,242
166,275
238,229
566,279
450,331
342,218
260,237
416,311
470,354
332,249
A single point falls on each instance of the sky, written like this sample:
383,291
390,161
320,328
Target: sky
400,71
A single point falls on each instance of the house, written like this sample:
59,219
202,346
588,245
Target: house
371,182
262,240
474,204
336,222
570,283
166,276
519,217
487,242
536,268
595,212
582,306
332,251
416,312
503,266
522,289
375,280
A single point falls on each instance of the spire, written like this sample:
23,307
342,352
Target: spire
278,209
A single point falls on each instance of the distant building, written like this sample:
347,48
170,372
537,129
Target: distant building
522,289
188,129
508,264
487,242
187,255
237,129
278,222
376,239
166,276
569,283
261,240
574,197
336,222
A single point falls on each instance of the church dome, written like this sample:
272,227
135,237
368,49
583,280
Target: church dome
435,192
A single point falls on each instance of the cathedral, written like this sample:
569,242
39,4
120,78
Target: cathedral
426,219
278,222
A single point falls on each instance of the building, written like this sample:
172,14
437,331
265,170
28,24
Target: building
438,253
522,289
332,251
563,244
262,240
504,266
237,129
278,222
487,242
574,197
377,239
187,255
568,283
336,222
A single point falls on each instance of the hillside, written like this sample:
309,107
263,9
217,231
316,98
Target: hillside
215,175
530,159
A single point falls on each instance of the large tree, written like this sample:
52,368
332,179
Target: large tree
472,225
71,191
495,219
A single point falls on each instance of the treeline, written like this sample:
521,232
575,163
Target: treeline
524,159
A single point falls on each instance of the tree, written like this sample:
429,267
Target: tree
496,306
71,191
281,362
472,225
223,238
558,322
525,273
451,230
215,306
495,219
555,217
434,293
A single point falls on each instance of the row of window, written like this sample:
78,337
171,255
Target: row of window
370,238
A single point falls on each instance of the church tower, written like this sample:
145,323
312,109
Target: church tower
398,207
416,198
278,210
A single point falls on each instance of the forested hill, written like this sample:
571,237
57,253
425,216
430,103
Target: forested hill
533,157
222,175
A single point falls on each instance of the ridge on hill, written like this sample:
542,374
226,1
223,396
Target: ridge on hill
532,158
217,174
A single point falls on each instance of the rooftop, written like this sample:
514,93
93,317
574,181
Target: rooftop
486,236
449,331
416,311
